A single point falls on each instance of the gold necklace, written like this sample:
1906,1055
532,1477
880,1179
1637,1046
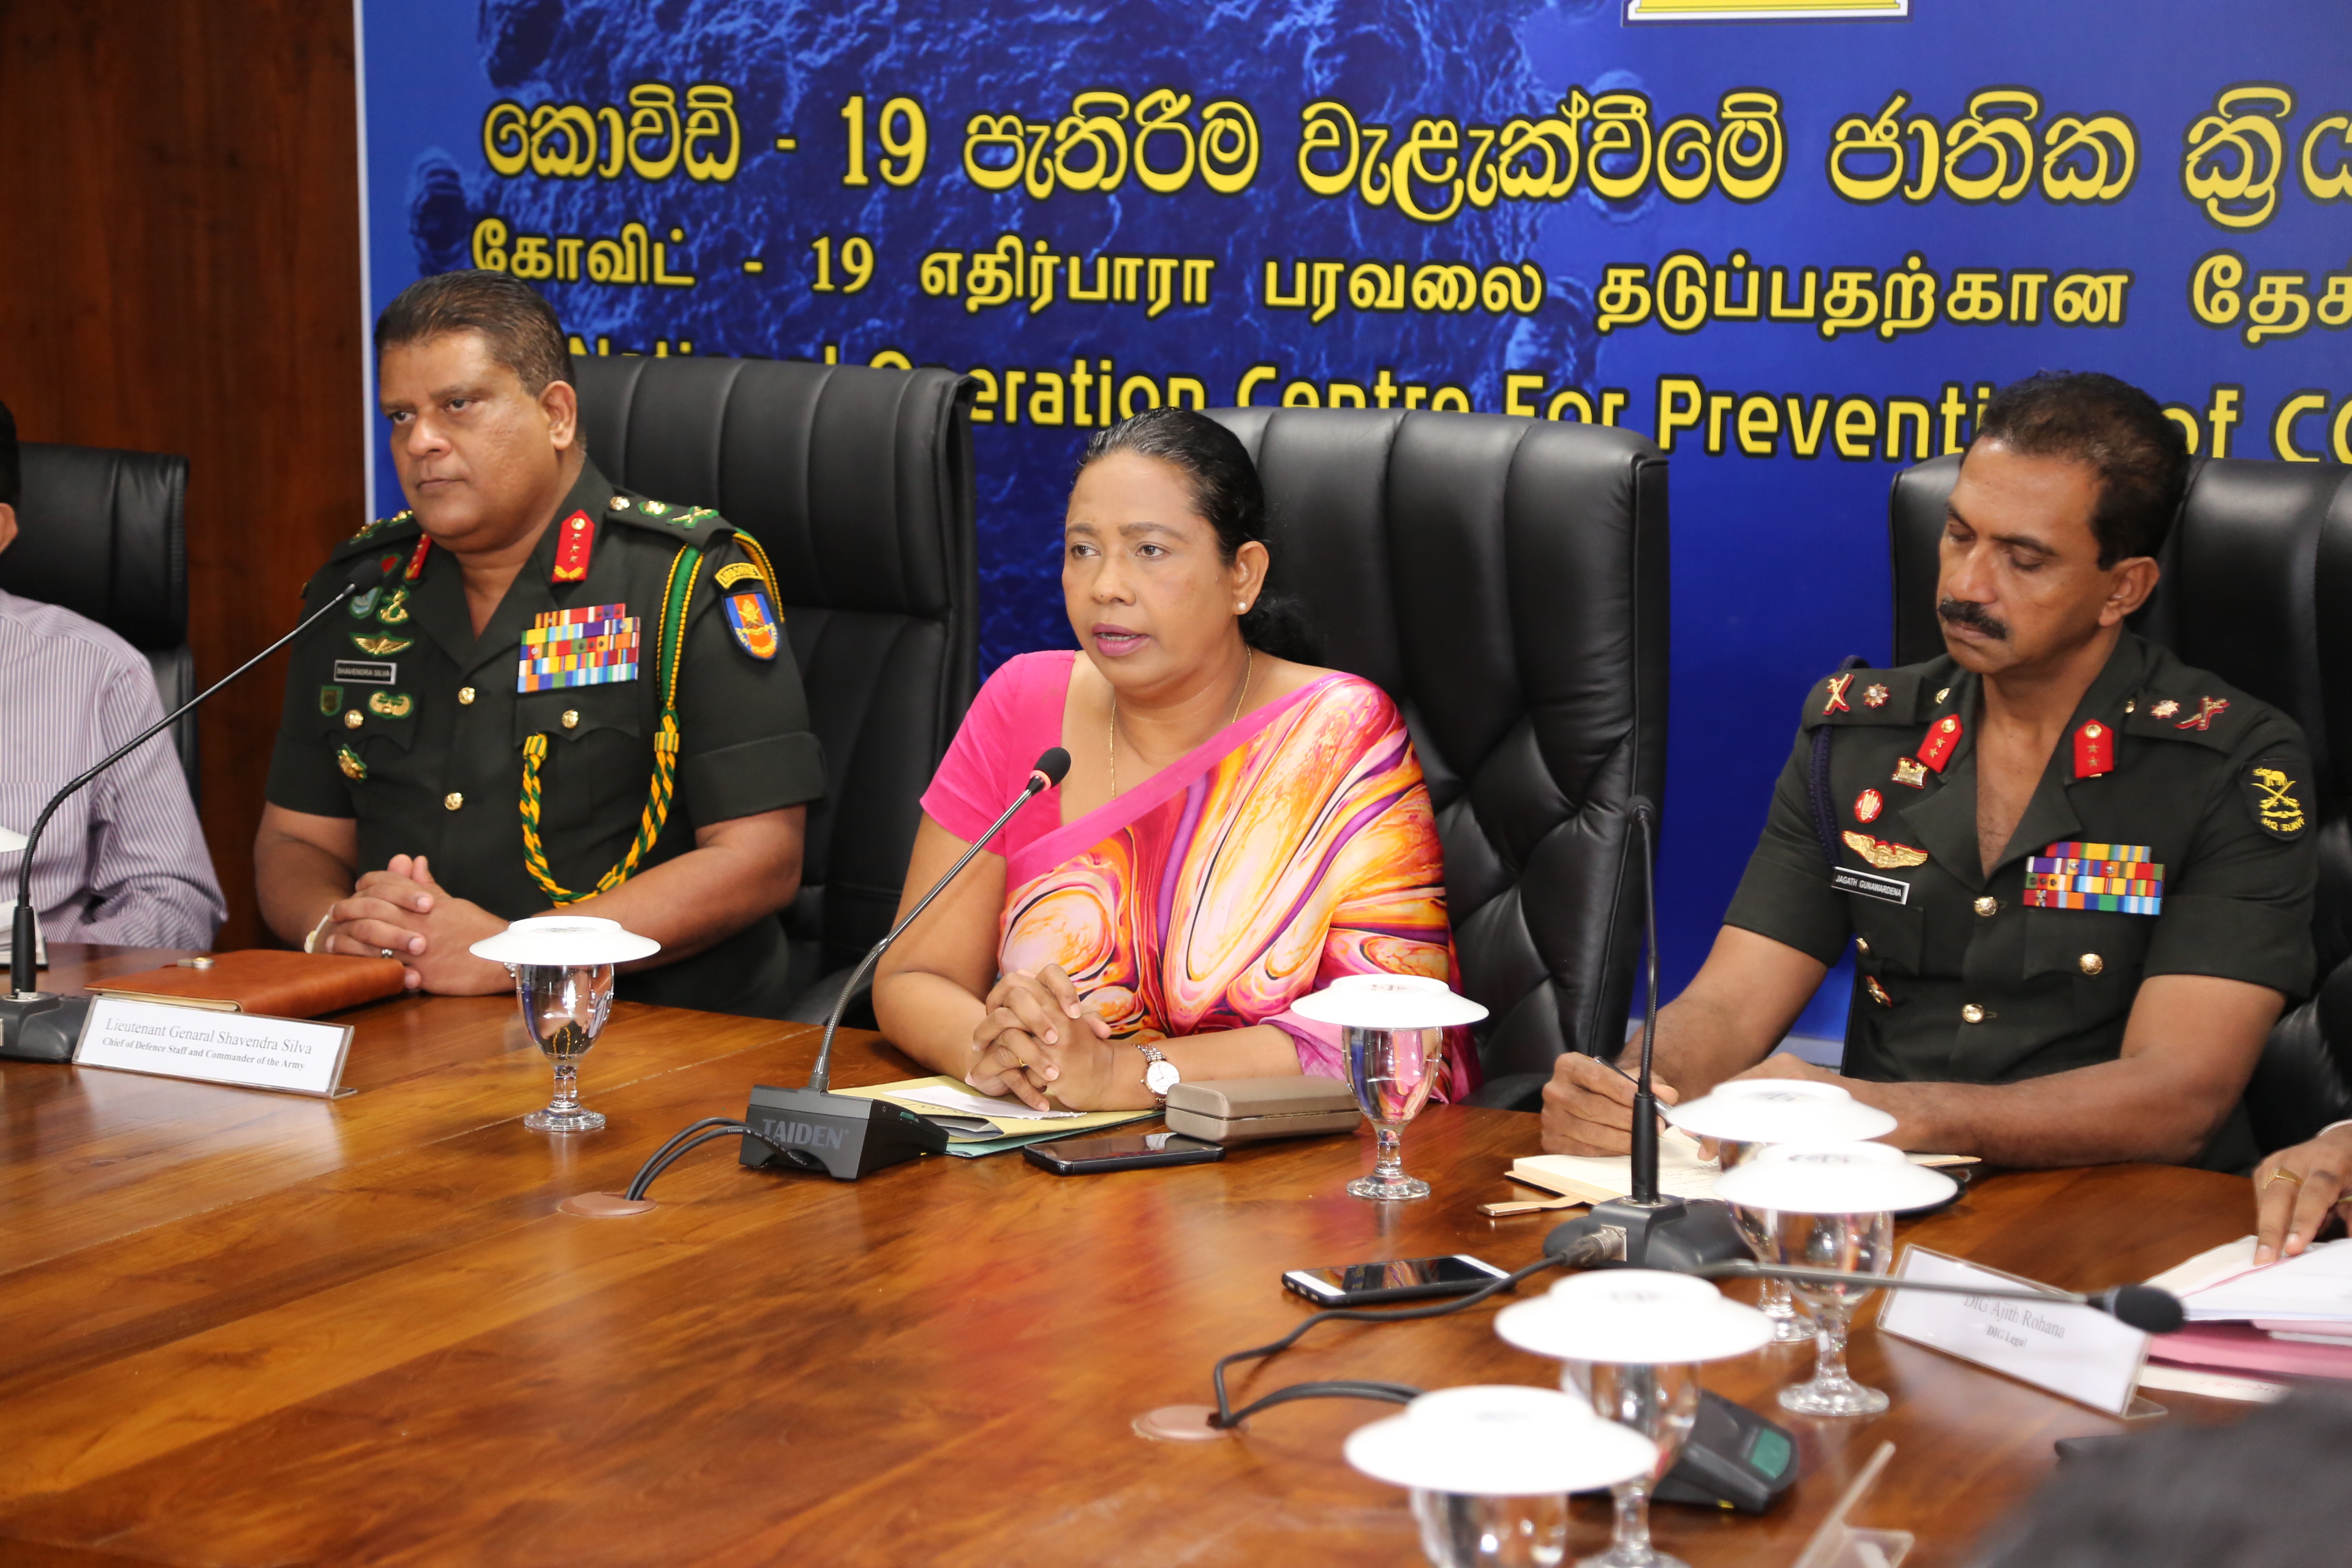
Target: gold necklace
1249,660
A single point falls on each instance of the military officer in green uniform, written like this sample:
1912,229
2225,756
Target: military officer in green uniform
548,692
2076,873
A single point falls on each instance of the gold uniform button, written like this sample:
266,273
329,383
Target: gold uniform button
2093,964
1972,1014
464,697
572,717
352,719
1862,945
1987,905
452,801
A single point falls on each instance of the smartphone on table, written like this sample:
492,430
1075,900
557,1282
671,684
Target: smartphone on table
1123,1152
1404,1280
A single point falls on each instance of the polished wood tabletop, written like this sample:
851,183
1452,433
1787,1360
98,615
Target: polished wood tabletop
249,1329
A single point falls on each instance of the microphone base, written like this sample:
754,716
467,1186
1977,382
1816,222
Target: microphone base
1676,1235
844,1135
41,1028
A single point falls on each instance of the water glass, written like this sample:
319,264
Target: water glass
565,1007
1392,1072
1848,1243
1660,1403
1788,1325
1459,1530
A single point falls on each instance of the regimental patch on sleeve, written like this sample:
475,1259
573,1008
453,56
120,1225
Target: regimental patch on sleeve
2276,796
754,623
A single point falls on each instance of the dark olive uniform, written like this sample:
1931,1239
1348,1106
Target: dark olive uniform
2168,836
398,715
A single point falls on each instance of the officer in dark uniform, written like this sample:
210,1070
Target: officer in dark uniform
2097,985
596,711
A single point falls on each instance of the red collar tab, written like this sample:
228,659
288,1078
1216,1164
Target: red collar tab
417,561
572,548
2095,750
1836,703
1943,735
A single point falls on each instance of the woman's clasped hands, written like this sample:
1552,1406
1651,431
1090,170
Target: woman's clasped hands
1040,1037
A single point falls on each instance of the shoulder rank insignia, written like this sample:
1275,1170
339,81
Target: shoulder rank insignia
1884,856
1875,697
575,541
620,503
391,704
330,701
393,611
362,605
2120,879
1835,701
380,648
2207,709
1867,806
2166,708
1877,992
2094,751
754,623
1911,771
1943,735
653,507
2278,813
349,760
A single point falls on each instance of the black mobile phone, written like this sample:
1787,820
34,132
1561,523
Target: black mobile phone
1406,1280
1124,1151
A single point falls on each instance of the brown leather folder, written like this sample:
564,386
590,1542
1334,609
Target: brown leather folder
265,980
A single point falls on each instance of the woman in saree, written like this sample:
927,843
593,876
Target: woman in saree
1237,829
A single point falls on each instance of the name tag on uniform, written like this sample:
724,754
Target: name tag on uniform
367,671
1893,889
2118,877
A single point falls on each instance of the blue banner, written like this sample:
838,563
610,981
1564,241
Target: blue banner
1796,244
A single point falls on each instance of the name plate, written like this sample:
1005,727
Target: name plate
290,1055
2076,1352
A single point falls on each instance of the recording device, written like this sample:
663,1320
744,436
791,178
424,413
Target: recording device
1732,1458
847,1135
1644,1229
40,1026
1407,1279
2150,1308
1129,1151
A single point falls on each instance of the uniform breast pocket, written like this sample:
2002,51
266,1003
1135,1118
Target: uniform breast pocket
598,755
2102,951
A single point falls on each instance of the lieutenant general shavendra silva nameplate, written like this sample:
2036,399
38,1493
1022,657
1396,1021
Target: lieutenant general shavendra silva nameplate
288,1055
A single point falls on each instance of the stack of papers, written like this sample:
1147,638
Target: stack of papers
976,1124
2291,1319
2312,1290
1682,1172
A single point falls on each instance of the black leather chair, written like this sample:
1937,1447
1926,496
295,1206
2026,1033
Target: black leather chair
1505,581
2261,551
858,483
101,532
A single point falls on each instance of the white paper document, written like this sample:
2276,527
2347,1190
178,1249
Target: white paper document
963,1104
10,839
1599,1177
2312,1287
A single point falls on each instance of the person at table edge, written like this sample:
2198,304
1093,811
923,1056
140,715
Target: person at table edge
1238,828
549,692
2076,874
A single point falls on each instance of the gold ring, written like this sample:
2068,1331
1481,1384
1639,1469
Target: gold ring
2284,1177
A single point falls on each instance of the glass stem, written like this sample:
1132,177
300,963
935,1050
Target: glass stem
1830,1345
1388,1151
1777,1301
1631,1543
567,1086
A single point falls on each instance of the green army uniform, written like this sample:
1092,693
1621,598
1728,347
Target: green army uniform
527,763
2168,836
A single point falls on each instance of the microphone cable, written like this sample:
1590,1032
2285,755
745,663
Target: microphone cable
1227,1418
709,1129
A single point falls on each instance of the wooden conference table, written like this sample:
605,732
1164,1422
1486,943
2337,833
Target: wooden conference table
251,1329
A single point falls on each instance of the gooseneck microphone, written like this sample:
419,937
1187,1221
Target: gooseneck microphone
847,1135
1644,1229
40,1027
2150,1308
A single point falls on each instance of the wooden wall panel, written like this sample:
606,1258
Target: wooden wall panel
180,273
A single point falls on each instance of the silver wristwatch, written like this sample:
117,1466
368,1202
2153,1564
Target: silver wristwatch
1160,1074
